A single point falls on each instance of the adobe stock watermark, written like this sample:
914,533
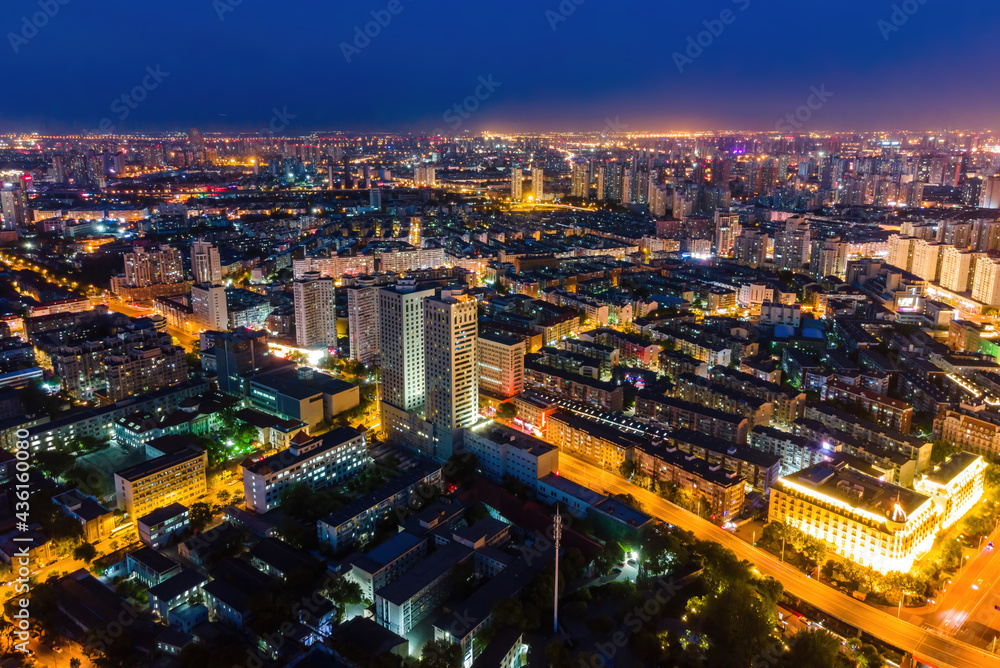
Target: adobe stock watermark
696,44
457,114
605,652
30,25
223,7
899,17
126,103
381,19
565,9
614,127
795,120
279,121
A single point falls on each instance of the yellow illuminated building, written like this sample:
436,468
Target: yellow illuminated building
870,521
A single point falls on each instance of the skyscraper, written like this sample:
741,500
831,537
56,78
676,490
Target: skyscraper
401,344
13,207
363,321
990,197
580,185
348,181
955,266
451,328
315,311
727,228
206,266
538,183
515,183
791,244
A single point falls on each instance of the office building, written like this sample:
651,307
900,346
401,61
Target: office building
206,266
208,305
178,477
501,365
315,312
503,452
238,355
870,521
330,459
301,394
363,321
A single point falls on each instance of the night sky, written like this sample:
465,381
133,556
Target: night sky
595,61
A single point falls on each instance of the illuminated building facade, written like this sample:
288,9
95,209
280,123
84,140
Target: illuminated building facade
872,522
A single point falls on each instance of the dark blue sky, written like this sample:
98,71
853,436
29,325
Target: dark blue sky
606,60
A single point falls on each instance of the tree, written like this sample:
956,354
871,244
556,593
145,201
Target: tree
54,463
200,515
556,654
627,468
85,552
223,497
506,411
441,654
74,663
817,649
940,450
344,593
740,623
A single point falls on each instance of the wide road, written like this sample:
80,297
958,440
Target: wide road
967,610
926,647
185,340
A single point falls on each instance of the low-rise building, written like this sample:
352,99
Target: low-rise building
173,478
158,527
315,461
504,452
868,521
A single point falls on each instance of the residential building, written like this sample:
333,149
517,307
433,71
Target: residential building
363,321
208,304
501,365
315,312
206,265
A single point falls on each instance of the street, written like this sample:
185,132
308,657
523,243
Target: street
928,647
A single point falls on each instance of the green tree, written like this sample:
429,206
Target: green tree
816,649
200,514
441,654
739,622
85,552
506,411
